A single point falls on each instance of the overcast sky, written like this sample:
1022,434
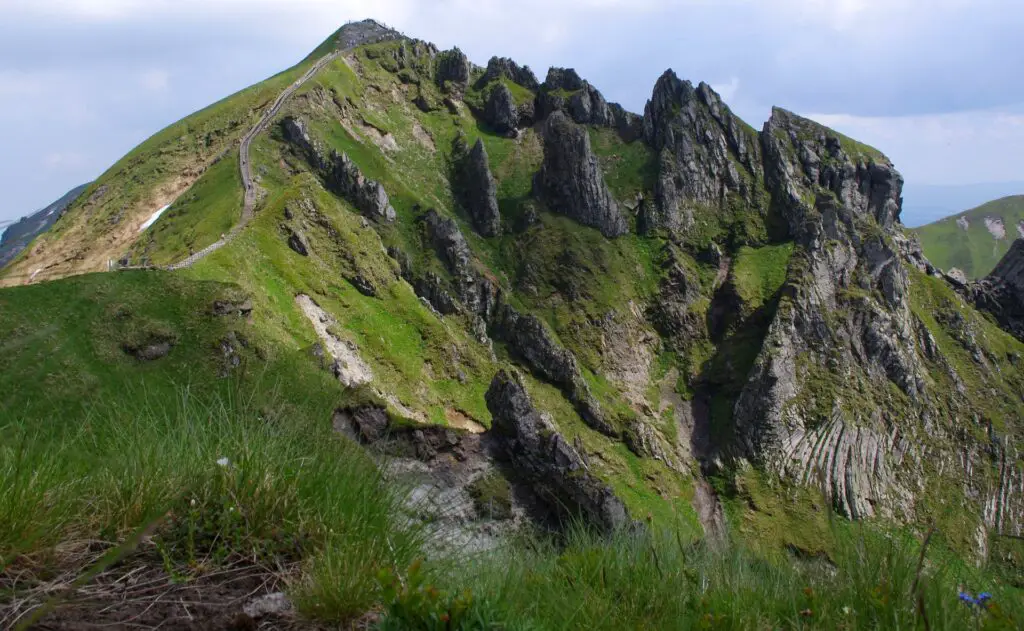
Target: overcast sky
935,84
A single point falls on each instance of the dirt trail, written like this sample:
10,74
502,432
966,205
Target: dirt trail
252,191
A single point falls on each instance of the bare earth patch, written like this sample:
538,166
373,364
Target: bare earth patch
963,223
349,367
996,227
460,420
80,250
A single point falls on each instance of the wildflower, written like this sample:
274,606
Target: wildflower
979,601
806,613
192,502
224,462
846,610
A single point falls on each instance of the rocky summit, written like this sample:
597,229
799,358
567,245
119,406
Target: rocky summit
539,312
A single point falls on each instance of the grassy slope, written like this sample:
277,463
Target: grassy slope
104,221
975,251
566,273
196,219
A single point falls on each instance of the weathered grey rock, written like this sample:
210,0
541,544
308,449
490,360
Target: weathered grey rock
530,340
705,153
570,179
270,604
553,467
503,67
1001,293
297,243
845,316
367,424
475,292
500,112
453,70
363,32
478,192
340,175
956,276
564,90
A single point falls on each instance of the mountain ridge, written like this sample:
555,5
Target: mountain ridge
636,308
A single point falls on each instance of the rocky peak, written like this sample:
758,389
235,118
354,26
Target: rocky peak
503,67
500,111
363,32
564,90
860,178
453,70
478,191
705,152
570,179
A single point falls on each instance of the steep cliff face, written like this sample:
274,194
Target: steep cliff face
1001,293
570,179
705,154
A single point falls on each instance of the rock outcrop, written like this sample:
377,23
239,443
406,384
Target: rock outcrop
1001,293
845,310
500,111
564,90
475,292
505,68
340,175
705,153
453,70
477,190
533,343
570,179
546,461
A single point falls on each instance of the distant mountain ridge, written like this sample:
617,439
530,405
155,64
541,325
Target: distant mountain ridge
15,236
975,240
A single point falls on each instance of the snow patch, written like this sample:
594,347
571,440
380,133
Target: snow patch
349,367
152,218
963,223
996,227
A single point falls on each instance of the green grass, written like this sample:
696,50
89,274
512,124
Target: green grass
198,218
629,168
659,580
759,273
189,144
975,251
291,491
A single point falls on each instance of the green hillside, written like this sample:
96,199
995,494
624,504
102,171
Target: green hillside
715,419
975,250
